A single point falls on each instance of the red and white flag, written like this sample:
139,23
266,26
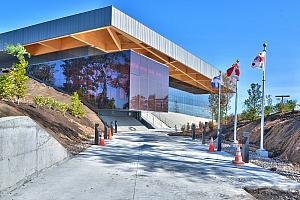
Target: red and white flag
259,60
234,71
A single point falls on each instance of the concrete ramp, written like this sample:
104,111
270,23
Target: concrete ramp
125,123
25,150
171,119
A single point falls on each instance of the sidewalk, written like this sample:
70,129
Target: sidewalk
149,166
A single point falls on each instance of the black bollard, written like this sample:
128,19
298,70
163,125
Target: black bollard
219,140
193,131
112,128
96,134
116,126
205,130
245,147
105,131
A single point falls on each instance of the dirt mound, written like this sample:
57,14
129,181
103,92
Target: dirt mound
73,133
281,135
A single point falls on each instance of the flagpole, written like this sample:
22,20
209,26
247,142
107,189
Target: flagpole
262,152
219,114
235,108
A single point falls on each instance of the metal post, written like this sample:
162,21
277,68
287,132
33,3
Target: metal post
116,126
105,131
235,115
193,131
262,112
96,134
111,128
205,128
245,147
219,114
262,152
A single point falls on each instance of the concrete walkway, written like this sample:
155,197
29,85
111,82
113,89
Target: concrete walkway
148,166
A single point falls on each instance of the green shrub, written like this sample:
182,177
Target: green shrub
6,87
37,100
290,105
50,102
76,108
63,108
268,110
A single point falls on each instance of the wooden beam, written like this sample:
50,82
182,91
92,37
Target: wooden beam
70,42
49,46
131,45
38,49
90,41
115,38
171,62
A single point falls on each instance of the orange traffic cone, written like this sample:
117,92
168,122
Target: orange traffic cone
238,156
102,143
211,146
109,134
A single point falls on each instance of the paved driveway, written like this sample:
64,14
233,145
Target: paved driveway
148,166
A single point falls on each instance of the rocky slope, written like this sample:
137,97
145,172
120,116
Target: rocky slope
73,133
281,136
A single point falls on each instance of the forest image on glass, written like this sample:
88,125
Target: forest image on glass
102,81
109,81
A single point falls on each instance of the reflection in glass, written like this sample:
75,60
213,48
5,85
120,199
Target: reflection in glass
109,81
149,82
187,103
102,81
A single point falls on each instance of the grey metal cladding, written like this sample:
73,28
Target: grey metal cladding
64,26
100,18
134,28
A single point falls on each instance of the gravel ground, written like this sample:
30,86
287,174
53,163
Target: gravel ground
273,194
281,167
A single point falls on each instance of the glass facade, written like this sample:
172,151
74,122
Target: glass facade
188,103
102,81
149,82
119,80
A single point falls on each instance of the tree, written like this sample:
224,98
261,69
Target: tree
6,87
76,108
253,103
17,75
17,50
269,100
213,106
19,78
290,105
227,94
268,110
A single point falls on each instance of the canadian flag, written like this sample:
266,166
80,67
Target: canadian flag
234,71
258,61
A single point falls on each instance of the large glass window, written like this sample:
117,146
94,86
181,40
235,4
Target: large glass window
188,103
149,81
119,80
102,81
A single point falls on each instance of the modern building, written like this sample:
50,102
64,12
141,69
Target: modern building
114,62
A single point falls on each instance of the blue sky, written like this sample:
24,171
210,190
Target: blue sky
218,31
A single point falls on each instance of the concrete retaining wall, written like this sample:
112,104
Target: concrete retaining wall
25,149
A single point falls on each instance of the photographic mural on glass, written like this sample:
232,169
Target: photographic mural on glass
110,81
149,83
102,81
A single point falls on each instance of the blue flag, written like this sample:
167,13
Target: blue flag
215,82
